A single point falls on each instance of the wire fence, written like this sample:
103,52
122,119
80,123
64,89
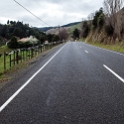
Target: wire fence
15,57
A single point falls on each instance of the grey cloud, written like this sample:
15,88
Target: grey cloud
54,12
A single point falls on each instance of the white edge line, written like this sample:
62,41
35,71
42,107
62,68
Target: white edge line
120,78
106,50
28,81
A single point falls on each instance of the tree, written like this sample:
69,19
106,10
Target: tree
4,31
50,37
114,15
101,20
55,38
63,34
42,39
11,22
98,20
90,18
13,43
85,29
8,22
76,33
18,32
19,24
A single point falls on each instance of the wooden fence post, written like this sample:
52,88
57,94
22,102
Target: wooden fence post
4,61
23,55
41,48
14,57
10,60
17,60
32,53
26,53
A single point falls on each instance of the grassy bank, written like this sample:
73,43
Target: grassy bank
15,69
7,59
118,47
4,49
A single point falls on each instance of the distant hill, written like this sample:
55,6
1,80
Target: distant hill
73,27
71,24
45,29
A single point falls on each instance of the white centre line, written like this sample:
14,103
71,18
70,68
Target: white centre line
86,51
120,78
29,80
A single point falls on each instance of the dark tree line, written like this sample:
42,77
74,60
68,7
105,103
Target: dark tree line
20,30
76,34
13,28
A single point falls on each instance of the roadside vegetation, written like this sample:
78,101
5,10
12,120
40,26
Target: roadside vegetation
104,27
16,36
14,60
118,47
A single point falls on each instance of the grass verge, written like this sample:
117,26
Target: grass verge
118,47
15,70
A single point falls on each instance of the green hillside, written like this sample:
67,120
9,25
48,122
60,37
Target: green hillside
74,24
73,27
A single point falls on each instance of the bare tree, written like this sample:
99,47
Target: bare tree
90,18
63,34
114,15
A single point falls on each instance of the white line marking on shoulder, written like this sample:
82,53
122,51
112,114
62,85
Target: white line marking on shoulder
115,74
105,49
29,80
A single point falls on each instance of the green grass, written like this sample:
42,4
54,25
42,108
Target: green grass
118,47
75,26
10,72
7,74
3,49
72,28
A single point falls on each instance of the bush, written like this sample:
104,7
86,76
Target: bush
101,20
20,44
13,43
85,29
109,30
27,44
55,38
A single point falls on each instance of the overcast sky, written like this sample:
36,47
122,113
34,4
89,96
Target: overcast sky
53,12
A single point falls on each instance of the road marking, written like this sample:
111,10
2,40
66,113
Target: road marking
105,49
120,78
29,80
86,51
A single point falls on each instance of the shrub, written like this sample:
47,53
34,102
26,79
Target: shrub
27,44
20,44
85,29
13,43
55,38
109,30
101,20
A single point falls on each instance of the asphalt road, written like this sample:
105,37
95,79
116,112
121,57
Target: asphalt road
75,83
